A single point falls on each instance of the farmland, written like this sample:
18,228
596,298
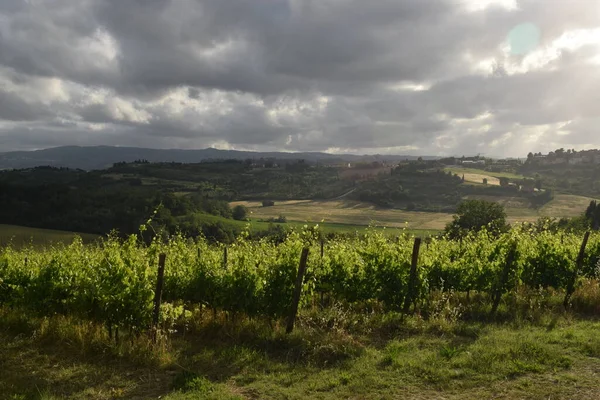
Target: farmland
80,329
474,171
348,212
363,214
197,198
507,315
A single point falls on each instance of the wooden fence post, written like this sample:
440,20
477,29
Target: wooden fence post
578,266
412,279
158,294
297,291
510,259
322,250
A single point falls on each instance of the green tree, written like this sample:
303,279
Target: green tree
474,215
240,212
592,214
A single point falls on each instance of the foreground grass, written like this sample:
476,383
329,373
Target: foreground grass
389,357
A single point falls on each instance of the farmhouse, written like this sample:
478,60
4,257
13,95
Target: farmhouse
473,162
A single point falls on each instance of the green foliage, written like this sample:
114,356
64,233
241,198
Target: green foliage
240,212
474,215
113,282
418,186
562,177
592,214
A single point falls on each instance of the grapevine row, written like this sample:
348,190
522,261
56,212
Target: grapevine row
114,282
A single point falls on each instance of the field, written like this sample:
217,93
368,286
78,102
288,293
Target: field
20,236
476,176
474,171
260,223
563,205
74,320
355,214
347,212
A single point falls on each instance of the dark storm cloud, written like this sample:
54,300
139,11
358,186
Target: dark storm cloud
13,108
293,74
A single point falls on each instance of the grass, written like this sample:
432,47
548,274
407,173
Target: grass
475,171
22,236
333,216
352,215
258,222
557,356
563,205
348,213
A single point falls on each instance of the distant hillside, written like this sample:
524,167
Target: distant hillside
100,157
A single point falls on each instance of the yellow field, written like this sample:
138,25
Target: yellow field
347,212
478,178
565,205
357,213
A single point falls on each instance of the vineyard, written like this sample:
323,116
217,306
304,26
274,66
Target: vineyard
113,283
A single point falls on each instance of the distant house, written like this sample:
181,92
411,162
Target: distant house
588,158
570,158
508,161
576,160
473,162
528,186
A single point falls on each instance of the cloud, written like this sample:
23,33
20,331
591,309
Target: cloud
424,77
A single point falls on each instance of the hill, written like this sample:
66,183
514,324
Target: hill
194,197
100,157
22,236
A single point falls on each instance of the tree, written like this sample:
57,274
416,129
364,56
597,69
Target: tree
592,214
474,215
485,181
240,212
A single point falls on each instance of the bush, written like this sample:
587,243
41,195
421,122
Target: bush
268,203
474,215
240,212
281,219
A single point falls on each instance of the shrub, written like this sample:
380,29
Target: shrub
240,212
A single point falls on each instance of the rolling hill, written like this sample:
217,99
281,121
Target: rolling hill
100,157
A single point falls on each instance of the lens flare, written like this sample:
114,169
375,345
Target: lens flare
523,38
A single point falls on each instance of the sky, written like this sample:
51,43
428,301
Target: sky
428,77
